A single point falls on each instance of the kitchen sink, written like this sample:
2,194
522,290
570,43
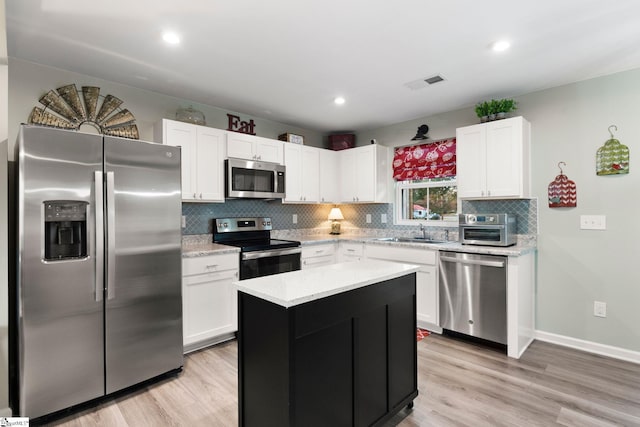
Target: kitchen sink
416,239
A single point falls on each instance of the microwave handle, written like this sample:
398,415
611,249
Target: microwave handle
279,184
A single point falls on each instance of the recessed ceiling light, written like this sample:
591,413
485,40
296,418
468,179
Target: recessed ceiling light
500,46
339,100
171,37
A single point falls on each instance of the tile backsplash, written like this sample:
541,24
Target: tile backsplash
525,210
199,215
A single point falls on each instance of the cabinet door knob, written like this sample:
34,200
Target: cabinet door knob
195,196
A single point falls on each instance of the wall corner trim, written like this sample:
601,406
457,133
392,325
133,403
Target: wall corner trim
589,346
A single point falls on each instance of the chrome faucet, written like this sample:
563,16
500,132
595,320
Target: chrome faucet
423,229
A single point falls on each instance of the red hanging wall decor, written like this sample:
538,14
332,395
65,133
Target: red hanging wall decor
562,191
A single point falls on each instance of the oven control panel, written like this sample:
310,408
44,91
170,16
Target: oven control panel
229,225
484,219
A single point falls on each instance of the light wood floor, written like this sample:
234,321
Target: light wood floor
460,384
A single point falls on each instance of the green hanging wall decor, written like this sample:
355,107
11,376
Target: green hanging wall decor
612,158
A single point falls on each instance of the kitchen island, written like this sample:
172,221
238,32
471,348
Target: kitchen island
332,345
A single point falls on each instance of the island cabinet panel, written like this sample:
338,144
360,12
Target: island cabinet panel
264,361
344,360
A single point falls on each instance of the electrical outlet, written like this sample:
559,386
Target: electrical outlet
593,222
383,218
600,309
184,221
368,218
295,218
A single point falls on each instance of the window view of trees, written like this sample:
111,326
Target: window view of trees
430,200
436,202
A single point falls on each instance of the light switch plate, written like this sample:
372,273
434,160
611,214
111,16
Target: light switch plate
593,222
368,218
184,221
295,218
383,218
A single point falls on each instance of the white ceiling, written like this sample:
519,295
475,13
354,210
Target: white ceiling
286,60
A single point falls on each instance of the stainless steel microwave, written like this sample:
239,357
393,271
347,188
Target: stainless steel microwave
254,180
487,229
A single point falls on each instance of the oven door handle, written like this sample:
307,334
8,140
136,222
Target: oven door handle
270,253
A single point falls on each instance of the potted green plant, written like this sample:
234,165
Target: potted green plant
505,106
482,110
494,109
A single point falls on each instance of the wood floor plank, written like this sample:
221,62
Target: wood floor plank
460,384
571,418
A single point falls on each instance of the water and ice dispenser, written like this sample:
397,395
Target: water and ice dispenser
65,229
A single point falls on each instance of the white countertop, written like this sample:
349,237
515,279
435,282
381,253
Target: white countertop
298,287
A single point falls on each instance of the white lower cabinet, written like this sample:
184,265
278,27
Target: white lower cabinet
209,300
426,278
350,251
318,255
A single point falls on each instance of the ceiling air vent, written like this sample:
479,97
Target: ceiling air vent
434,80
424,82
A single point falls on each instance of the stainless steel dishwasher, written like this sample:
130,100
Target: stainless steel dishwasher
473,295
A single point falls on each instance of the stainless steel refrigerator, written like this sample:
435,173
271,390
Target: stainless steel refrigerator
99,303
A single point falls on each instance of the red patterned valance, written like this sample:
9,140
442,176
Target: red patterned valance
436,159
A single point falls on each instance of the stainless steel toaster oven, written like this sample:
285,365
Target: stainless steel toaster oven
487,229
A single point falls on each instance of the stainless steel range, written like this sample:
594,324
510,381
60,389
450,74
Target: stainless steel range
260,255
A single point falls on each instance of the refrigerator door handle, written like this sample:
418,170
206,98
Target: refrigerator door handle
98,205
111,237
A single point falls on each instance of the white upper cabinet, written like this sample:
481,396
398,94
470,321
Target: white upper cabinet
364,174
251,147
302,179
329,177
493,159
203,154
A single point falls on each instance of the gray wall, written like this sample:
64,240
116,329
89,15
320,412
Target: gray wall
575,267
30,81
4,340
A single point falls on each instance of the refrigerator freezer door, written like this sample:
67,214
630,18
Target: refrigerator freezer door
143,317
60,308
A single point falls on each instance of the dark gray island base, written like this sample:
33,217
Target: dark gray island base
347,359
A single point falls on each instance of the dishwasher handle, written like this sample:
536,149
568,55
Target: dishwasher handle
499,264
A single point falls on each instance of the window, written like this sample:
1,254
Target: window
426,188
426,200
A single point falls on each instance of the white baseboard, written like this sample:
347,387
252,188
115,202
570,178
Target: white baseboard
590,346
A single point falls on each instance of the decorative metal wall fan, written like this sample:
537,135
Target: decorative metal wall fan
72,111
